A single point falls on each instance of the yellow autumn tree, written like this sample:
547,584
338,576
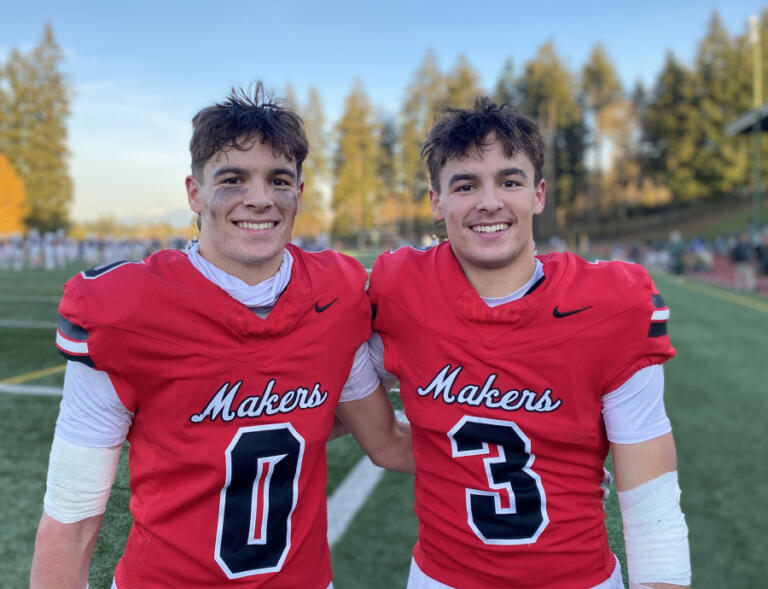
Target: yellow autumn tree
13,199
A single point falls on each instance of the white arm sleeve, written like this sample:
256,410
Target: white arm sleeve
79,480
376,351
362,379
655,533
635,412
91,413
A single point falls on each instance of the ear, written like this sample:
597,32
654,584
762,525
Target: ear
193,194
299,195
434,201
541,197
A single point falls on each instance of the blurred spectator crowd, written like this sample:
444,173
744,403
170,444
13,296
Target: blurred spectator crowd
54,250
743,256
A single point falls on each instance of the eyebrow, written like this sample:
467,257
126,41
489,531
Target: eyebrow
461,177
503,173
512,172
284,172
230,170
244,172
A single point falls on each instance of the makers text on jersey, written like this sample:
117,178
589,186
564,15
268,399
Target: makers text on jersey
222,405
443,386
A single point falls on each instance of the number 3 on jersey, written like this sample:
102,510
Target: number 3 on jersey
509,475
254,531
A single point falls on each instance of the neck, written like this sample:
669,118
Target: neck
495,282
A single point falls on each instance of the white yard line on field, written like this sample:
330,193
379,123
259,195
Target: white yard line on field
27,389
349,497
24,324
29,299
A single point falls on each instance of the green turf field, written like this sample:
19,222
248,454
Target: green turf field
717,399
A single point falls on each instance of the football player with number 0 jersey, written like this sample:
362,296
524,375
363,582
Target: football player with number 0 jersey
518,373
224,367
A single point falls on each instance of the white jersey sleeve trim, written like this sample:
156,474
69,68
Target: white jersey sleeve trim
79,480
69,345
91,413
362,379
634,412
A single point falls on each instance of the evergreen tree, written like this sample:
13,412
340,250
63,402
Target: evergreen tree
462,85
620,126
671,130
391,193
290,97
743,79
34,133
424,97
601,88
506,90
547,90
314,215
720,162
600,81
357,185
13,202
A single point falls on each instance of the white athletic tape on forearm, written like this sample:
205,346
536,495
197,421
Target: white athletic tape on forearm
79,480
655,532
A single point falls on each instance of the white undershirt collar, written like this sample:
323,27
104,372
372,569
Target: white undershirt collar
263,294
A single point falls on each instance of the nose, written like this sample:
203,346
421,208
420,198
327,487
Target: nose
258,196
488,200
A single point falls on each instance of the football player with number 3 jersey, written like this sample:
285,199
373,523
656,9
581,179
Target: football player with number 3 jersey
518,373
224,367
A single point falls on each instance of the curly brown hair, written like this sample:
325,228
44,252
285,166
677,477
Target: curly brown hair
240,120
461,132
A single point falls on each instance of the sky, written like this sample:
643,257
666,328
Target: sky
139,70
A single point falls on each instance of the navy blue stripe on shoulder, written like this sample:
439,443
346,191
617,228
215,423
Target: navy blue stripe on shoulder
77,358
71,330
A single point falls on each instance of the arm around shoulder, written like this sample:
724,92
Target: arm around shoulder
373,424
63,553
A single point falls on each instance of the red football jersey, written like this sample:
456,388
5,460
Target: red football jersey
232,414
505,409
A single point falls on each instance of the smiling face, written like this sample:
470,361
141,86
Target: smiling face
488,201
247,201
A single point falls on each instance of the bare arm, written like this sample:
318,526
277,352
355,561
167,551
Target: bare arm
63,553
635,464
372,422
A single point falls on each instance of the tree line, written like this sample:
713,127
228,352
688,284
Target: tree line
35,185
611,152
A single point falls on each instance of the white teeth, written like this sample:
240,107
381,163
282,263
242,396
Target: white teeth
264,225
490,228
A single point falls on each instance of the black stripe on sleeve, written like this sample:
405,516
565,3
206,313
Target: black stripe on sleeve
70,330
658,302
657,329
82,359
